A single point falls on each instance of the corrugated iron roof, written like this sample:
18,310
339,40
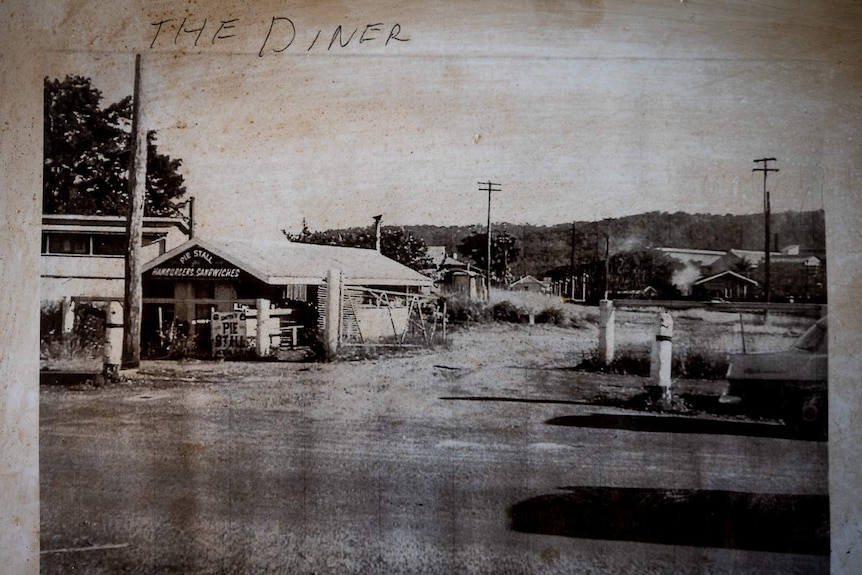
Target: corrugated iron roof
285,262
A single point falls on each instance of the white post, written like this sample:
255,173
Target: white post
262,327
68,309
332,317
607,316
113,348
662,355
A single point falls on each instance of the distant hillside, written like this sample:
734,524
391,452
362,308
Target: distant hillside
547,247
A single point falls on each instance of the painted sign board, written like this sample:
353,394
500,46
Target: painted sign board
196,263
228,333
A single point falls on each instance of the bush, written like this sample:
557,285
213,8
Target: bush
506,311
467,310
636,361
701,365
551,314
86,338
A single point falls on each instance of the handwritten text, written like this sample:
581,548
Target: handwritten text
280,34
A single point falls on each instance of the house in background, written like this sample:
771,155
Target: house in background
727,285
795,274
693,263
529,284
454,276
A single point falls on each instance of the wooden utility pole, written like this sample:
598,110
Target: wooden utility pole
489,186
137,182
766,214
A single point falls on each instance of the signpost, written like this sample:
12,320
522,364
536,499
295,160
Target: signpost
228,333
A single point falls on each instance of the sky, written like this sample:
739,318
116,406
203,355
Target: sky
580,110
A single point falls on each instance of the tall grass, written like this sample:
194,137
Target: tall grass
515,307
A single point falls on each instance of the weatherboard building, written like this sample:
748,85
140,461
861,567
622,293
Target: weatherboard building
201,286
195,288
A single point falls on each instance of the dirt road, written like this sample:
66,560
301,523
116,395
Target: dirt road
438,462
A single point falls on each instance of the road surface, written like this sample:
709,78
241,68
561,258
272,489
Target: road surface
418,464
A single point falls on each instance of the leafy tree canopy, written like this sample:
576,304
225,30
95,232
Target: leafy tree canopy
87,153
638,269
395,243
505,250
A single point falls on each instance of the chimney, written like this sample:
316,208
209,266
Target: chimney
377,231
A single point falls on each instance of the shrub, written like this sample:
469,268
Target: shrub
506,311
636,361
701,365
467,310
551,314
86,338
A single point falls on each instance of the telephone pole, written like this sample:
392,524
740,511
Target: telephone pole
489,187
766,209
137,186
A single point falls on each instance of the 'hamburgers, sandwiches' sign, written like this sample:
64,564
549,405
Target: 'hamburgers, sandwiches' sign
196,263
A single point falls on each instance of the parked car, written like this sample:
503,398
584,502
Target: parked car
790,384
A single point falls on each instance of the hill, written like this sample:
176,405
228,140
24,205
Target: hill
547,247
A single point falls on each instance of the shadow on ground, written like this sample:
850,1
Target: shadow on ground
684,415
673,424
775,523
70,378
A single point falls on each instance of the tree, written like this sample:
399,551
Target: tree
638,269
86,150
395,243
504,252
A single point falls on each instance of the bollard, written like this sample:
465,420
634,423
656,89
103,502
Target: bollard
662,355
262,327
607,315
113,348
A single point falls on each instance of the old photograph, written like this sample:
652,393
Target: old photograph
439,288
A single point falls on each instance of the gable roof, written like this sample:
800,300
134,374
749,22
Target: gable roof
724,273
528,279
284,262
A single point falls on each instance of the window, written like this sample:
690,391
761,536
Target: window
75,244
109,245
83,244
814,339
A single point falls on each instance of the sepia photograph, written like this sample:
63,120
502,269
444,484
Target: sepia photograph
534,287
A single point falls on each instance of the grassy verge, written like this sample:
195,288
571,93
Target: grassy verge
515,307
686,363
